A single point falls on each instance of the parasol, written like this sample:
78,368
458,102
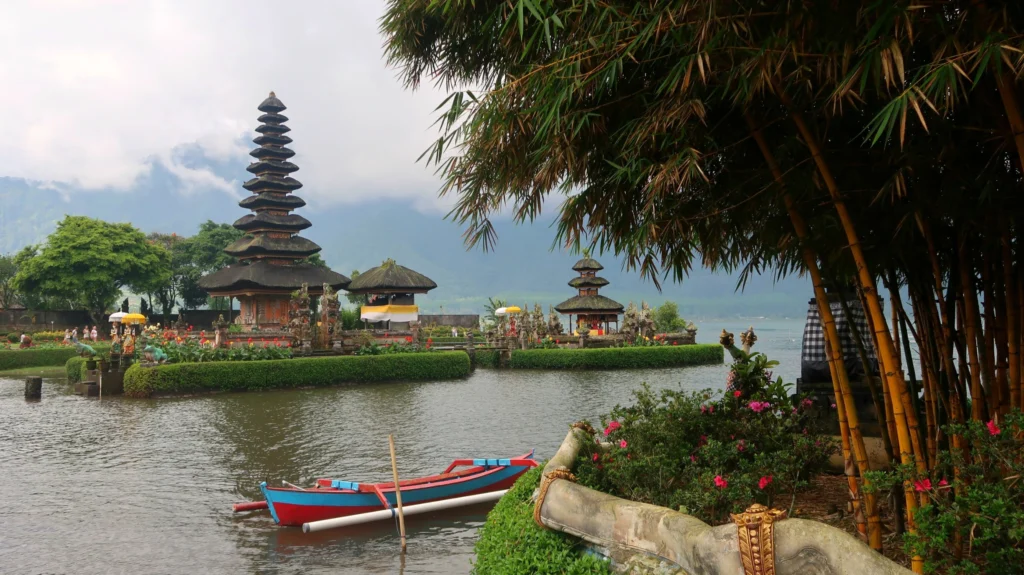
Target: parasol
133,318
116,317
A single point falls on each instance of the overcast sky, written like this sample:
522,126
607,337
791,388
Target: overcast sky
95,90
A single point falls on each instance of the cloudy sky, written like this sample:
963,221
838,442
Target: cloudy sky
97,91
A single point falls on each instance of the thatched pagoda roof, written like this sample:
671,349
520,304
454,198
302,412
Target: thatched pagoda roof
263,245
390,277
589,303
587,264
585,282
263,275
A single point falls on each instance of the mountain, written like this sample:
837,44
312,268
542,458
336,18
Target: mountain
522,268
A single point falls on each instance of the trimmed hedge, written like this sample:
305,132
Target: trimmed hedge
19,358
75,369
511,543
618,357
178,378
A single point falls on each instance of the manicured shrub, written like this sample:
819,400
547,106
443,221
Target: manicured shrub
618,357
75,369
511,543
40,356
290,373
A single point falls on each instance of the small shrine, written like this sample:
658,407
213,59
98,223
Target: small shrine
390,291
271,254
593,311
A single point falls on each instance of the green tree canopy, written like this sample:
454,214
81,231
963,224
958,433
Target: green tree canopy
89,261
666,318
8,269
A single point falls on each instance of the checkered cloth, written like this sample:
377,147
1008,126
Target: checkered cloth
813,352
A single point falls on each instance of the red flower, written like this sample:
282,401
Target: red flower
594,458
622,444
923,485
764,482
737,393
943,482
693,458
741,445
287,344
720,482
430,340
993,429
408,339
675,343
612,427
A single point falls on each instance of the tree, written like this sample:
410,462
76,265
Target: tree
8,269
206,249
667,320
356,299
89,261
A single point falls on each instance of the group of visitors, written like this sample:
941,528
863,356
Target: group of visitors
71,335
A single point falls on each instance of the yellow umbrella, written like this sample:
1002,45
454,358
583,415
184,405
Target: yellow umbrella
513,309
133,318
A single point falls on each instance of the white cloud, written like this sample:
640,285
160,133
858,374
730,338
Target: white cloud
95,90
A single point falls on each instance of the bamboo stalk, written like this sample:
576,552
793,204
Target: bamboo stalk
398,491
898,386
849,420
1012,325
970,331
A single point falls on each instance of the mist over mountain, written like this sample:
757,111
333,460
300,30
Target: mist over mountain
522,269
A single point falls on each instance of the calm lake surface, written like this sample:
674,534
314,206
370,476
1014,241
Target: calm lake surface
146,487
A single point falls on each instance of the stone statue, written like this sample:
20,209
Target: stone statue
82,349
645,321
630,323
554,322
540,328
180,326
328,315
748,338
154,354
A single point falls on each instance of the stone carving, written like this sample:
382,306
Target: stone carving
748,339
630,323
180,326
726,339
298,317
757,538
540,327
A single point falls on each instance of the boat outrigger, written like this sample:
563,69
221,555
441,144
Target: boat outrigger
331,498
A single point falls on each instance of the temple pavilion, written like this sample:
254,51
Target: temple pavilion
592,310
271,254
390,291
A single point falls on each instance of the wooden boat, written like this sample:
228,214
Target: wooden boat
331,498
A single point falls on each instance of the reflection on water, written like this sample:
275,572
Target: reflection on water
129,486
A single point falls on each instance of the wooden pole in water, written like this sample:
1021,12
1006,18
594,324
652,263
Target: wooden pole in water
33,387
398,492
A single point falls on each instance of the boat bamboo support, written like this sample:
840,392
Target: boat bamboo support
314,526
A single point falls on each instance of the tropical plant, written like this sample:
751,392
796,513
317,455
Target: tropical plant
666,318
490,319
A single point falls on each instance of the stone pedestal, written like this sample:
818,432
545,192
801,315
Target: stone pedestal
33,387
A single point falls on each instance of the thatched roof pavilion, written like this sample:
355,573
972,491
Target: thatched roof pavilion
593,311
390,291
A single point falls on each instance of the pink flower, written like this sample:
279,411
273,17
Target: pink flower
594,458
943,482
622,444
923,485
737,393
693,458
741,445
993,429
611,427
720,482
764,482
758,406
807,403
833,406
711,409
703,409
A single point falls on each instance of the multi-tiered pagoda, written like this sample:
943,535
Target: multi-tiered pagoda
593,311
271,254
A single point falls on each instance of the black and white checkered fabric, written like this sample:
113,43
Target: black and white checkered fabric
813,350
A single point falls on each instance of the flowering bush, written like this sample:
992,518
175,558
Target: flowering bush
409,346
974,519
184,350
656,341
704,455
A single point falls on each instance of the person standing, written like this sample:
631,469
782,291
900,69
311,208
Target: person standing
67,336
95,334
74,334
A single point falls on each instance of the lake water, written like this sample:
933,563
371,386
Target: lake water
146,487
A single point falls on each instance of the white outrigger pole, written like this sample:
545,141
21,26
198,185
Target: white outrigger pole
416,509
